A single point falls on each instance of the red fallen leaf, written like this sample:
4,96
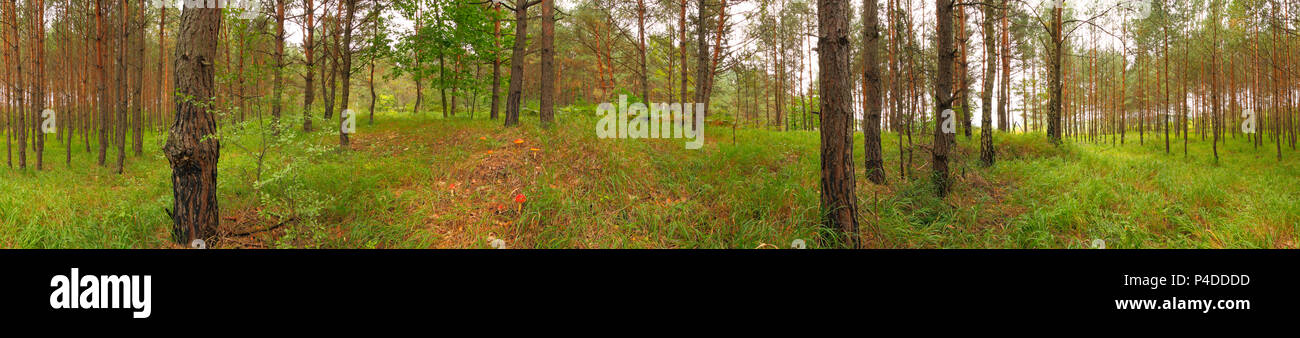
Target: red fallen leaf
521,198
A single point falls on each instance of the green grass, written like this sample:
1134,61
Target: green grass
424,182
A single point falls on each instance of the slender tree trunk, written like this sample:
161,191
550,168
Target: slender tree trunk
963,72
11,87
1004,100
38,96
516,92
277,88
1168,114
496,63
72,93
120,89
374,38
346,69
702,77
942,92
21,127
640,19
137,96
161,102
682,49
309,49
371,82
987,153
547,102
1055,103
417,75
190,149
875,165
442,85
1214,84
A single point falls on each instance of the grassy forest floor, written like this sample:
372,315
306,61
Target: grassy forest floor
424,182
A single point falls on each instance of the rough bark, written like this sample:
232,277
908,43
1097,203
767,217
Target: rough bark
516,91
137,94
21,128
1004,99
986,97
875,164
702,84
547,102
101,83
640,19
346,54
682,50
277,87
1054,105
191,150
942,94
496,64
39,82
963,72
120,89
309,49
162,57
838,200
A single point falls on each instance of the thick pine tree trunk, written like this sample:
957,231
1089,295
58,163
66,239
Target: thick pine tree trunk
190,149
875,165
838,200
